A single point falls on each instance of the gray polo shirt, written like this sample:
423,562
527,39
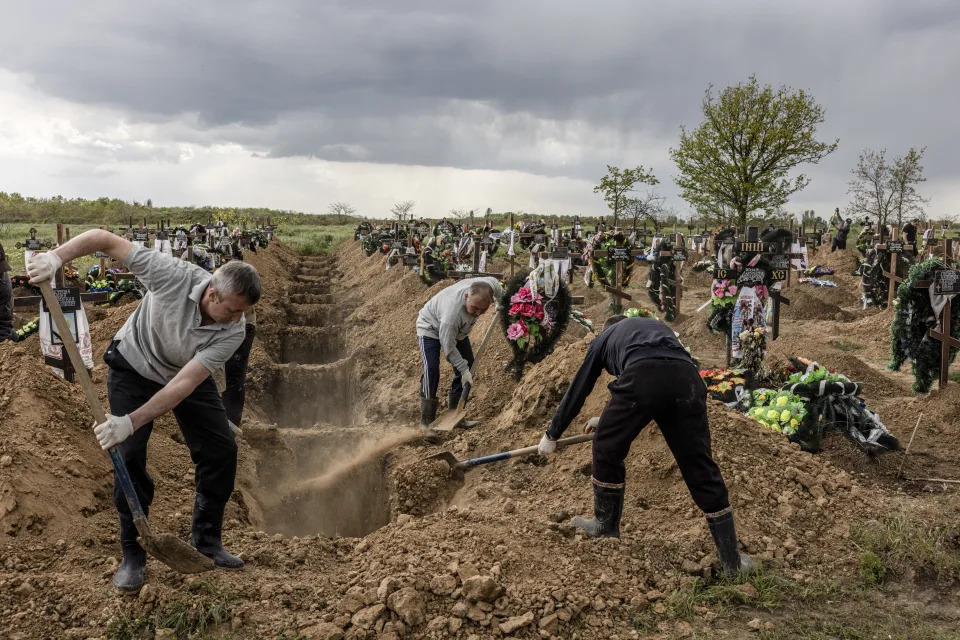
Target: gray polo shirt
445,318
163,334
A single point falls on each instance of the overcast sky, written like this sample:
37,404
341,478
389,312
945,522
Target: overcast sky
511,105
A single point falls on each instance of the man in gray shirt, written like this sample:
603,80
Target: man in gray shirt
444,323
187,325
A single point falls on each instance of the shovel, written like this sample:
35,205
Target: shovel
457,467
452,418
166,548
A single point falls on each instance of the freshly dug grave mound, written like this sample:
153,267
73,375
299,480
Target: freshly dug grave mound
423,486
808,303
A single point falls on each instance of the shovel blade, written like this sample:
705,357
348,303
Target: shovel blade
446,456
456,469
176,554
449,420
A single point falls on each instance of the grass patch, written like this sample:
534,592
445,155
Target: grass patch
896,624
194,617
315,241
13,232
845,345
896,544
762,590
954,376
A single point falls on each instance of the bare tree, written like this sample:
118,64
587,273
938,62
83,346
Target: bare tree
458,214
880,189
649,206
341,209
401,209
904,175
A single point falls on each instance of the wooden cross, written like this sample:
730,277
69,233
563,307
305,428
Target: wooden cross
946,281
475,273
619,253
678,255
811,239
895,247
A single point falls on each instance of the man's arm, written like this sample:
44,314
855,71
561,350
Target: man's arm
448,342
577,393
90,242
172,394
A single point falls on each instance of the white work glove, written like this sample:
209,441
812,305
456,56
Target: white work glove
466,378
546,446
42,266
591,425
114,431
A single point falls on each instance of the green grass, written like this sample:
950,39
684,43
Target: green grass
314,241
195,615
896,544
770,590
308,240
13,232
898,623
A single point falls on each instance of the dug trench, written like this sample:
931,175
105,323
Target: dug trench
320,468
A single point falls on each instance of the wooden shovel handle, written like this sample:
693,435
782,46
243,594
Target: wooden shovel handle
119,467
66,337
486,339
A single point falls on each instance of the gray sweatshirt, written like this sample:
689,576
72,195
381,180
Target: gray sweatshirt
445,318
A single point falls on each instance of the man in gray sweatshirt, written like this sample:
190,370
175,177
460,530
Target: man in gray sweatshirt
444,323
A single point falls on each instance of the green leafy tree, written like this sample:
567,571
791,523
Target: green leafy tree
617,184
739,159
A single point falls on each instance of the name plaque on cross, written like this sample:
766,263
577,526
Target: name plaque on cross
946,282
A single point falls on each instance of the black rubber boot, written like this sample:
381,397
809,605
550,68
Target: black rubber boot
452,399
728,548
607,510
428,413
207,531
130,576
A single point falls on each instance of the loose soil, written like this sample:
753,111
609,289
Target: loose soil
348,531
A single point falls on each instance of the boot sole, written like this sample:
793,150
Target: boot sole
128,591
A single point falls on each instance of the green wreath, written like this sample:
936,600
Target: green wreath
909,335
534,345
438,255
370,244
662,271
604,269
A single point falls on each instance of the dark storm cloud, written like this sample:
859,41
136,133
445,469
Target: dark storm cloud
555,87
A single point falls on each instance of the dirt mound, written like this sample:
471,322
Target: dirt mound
812,303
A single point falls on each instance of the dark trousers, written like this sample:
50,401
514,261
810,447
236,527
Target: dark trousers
202,421
235,372
838,244
430,358
671,393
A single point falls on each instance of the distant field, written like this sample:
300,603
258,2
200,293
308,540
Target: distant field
308,239
13,232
